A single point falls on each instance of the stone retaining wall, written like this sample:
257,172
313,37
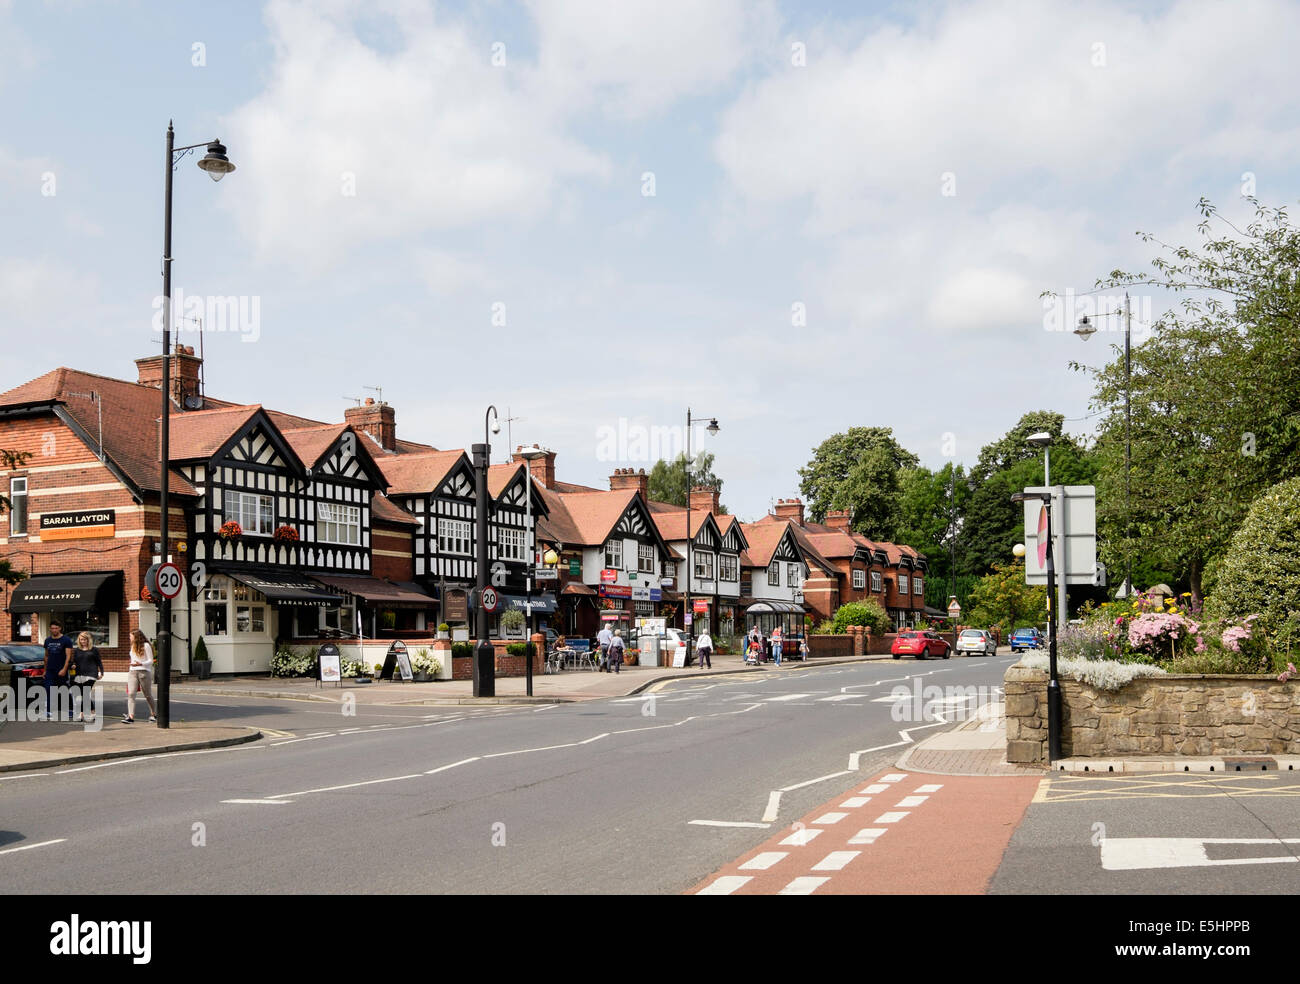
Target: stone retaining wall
1194,714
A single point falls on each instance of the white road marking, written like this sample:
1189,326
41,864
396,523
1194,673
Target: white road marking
801,838
773,805
933,787
28,847
876,787
1133,853
725,885
262,802
835,861
294,741
346,785
891,817
835,697
809,782
867,835
829,818
26,775
786,697
103,765
894,777
804,885
853,802
444,768
912,801
729,823
761,862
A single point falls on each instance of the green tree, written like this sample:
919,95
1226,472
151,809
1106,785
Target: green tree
1002,599
931,505
1014,446
667,481
857,470
1215,395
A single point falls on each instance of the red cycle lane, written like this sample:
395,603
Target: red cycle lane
899,833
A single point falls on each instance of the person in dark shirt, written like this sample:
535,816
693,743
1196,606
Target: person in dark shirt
88,670
58,657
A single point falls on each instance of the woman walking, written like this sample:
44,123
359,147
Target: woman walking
89,669
139,677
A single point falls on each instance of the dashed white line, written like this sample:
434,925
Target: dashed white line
894,777
773,805
829,818
729,823
867,835
835,861
891,817
838,697
261,802
801,838
803,885
761,862
770,700
853,802
933,787
725,885
912,801
875,787
444,768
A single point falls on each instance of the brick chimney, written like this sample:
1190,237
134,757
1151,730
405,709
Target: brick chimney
791,509
379,420
838,519
625,478
543,468
705,499
184,373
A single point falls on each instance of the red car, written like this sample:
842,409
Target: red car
920,645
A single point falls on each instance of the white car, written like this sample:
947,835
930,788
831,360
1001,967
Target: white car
976,642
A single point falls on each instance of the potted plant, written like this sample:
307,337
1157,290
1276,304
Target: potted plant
444,630
285,534
512,621
229,530
202,664
421,664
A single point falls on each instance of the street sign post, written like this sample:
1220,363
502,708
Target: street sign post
491,600
170,580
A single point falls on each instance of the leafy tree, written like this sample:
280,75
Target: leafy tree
1215,394
1002,599
868,613
857,470
930,509
667,481
1260,573
1014,446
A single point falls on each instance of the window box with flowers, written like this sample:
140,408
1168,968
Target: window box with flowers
285,534
229,530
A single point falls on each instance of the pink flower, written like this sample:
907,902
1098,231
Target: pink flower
1200,644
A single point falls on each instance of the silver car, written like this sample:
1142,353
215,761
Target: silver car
976,642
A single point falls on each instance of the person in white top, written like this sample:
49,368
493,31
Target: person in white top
139,677
604,639
704,646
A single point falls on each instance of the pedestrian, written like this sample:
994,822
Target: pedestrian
616,650
777,637
751,655
58,657
89,670
604,638
705,646
139,677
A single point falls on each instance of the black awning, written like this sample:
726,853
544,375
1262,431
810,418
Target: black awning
543,604
287,589
68,593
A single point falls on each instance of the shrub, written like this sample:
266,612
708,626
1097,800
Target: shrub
868,613
351,668
290,663
1091,640
444,627
517,649
460,650
512,620
1104,674
825,627
1260,572
200,650
1157,634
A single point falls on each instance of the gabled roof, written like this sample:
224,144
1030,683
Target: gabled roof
201,433
588,518
384,510
672,523
417,474
311,443
763,539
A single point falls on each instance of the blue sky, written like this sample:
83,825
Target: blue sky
854,211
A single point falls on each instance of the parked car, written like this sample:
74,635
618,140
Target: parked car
674,645
920,645
976,642
1023,639
28,661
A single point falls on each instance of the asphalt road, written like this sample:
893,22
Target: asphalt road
630,795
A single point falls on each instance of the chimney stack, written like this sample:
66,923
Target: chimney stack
625,478
185,366
791,509
543,468
838,519
705,499
379,420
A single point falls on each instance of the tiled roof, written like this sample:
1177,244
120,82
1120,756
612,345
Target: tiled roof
413,474
309,443
201,433
833,544
763,540
385,510
500,477
672,525
587,517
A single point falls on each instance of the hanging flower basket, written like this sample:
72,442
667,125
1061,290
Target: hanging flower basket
230,530
145,595
285,534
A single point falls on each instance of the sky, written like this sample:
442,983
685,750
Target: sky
794,217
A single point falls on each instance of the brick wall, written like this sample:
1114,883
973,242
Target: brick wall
385,540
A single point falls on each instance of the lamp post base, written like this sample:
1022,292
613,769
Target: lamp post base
485,681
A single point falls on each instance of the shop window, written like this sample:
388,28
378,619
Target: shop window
340,619
18,507
100,625
387,620
215,595
306,621
250,619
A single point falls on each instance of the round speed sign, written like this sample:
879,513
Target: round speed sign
491,600
170,580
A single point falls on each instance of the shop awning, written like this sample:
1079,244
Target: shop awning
542,604
780,607
577,588
68,593
380,593
287,589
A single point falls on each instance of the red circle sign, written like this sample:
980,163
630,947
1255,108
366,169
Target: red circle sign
1042,536
491,600
170,580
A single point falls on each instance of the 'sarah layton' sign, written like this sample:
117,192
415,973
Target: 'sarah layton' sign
91,524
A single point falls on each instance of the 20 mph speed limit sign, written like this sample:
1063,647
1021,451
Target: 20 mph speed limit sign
491,600
170,580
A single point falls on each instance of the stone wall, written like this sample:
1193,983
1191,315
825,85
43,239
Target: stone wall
1192,714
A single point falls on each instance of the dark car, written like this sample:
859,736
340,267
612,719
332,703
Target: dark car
919,644
1023,639
28,661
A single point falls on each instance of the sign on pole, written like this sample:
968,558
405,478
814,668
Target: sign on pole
170,580
1074,530
491,600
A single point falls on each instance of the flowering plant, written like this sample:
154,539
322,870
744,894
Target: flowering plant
285,534
229,530
145,595
1154,633
422,662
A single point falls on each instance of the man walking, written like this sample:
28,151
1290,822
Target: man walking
58,657
704,645
604,638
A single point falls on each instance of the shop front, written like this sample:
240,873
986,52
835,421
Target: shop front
78,602
247,614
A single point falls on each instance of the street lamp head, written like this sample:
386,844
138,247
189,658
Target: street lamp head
1086,328
216,163
713,426
550,558
530,452
1018,550
1042,439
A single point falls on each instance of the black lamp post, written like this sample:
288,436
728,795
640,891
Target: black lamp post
485,682
1053,682
218,166
686,609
